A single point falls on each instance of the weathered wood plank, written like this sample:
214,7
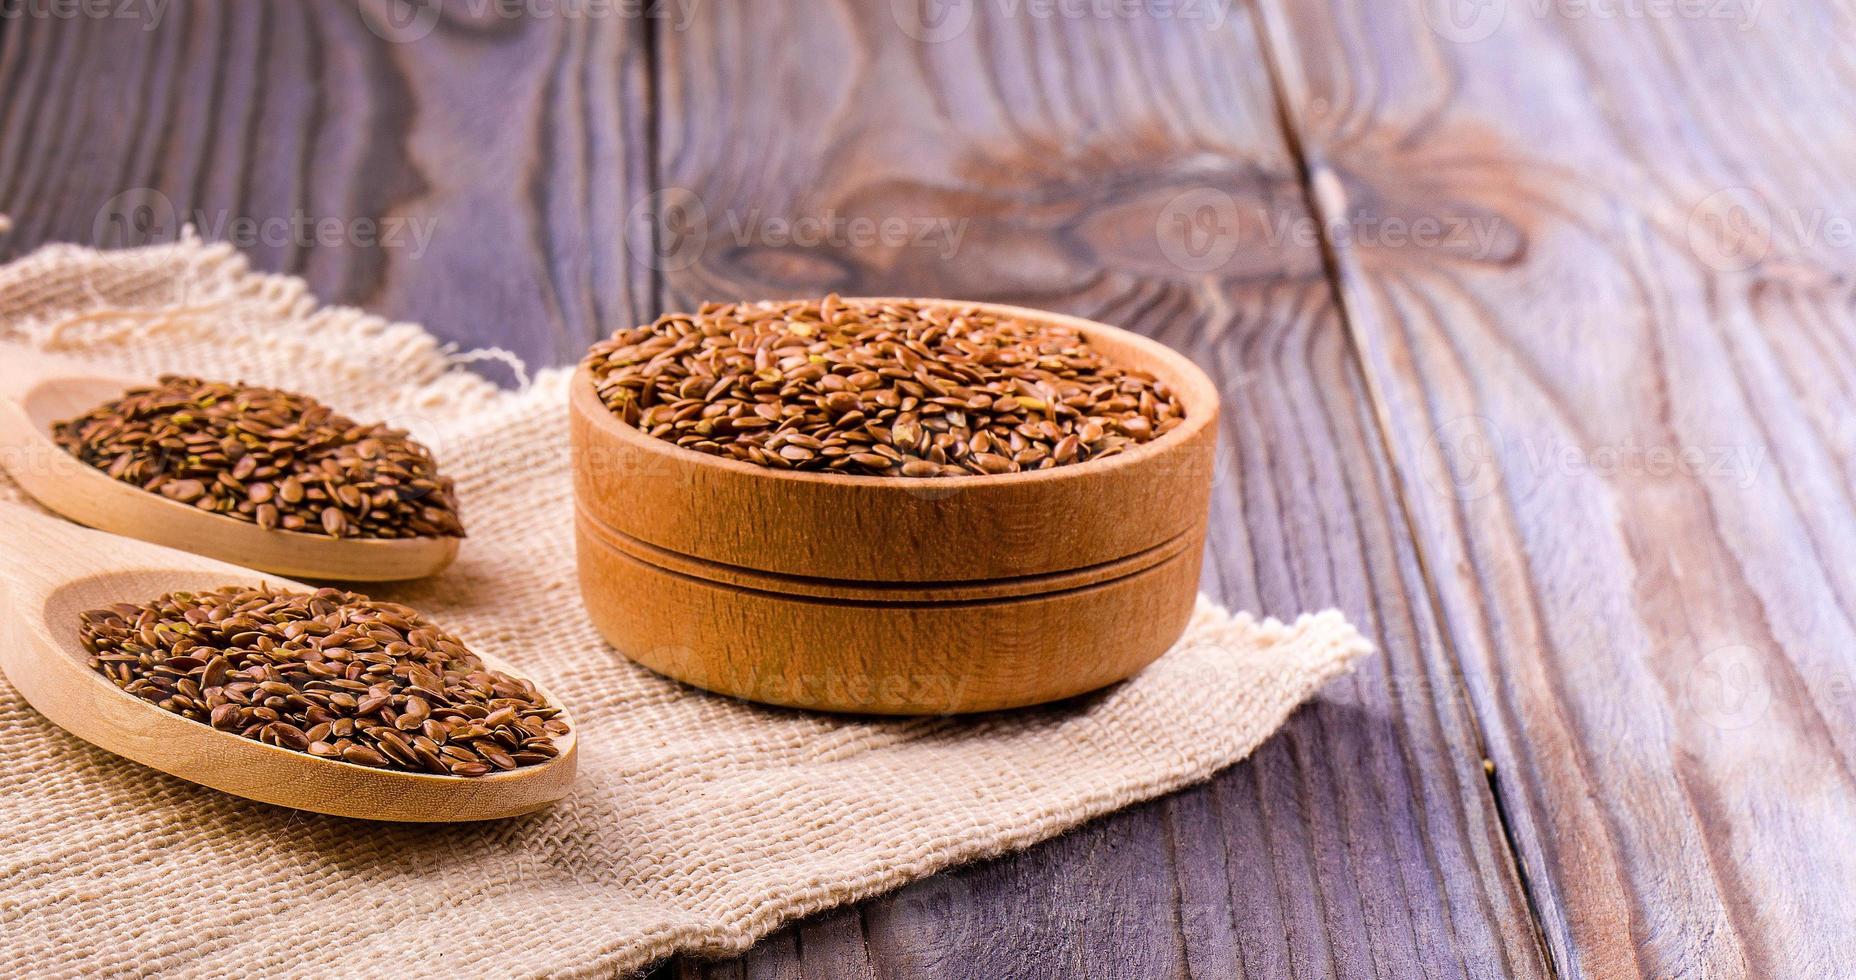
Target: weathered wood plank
1620,431
1074,155
474,175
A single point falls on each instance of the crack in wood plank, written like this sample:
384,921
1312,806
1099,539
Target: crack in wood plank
1651,646
1362,839
1325,201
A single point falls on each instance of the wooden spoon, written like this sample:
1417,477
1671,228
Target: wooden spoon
52,571
37,391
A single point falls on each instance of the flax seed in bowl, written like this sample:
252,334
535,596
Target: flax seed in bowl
895,388
889,505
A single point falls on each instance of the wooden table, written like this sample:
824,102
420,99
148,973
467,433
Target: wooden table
1534,319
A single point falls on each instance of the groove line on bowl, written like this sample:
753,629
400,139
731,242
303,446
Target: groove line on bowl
591,536
1038,583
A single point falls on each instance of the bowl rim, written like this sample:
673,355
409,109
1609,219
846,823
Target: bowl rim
1189,381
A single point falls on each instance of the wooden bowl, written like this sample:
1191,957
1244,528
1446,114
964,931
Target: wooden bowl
891,595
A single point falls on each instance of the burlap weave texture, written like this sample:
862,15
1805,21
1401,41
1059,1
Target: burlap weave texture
698,823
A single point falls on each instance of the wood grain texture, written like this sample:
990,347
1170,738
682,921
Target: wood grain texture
1356,842
1621,435
1077,151
53,571
476,179
892,656
1362,839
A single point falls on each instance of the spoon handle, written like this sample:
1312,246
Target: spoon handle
21,367
39,553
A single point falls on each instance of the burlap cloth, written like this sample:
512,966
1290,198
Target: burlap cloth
697,824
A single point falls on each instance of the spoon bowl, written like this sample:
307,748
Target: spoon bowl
54,571
38,391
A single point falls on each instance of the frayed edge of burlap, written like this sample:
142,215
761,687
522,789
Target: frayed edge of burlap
84,304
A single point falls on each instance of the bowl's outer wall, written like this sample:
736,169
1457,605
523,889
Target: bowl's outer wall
886,619
886,658
887,529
